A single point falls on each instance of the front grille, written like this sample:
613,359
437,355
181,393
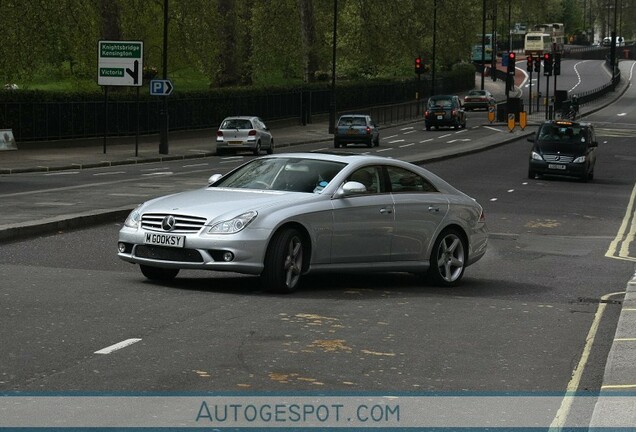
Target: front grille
168,254
183,224
558,158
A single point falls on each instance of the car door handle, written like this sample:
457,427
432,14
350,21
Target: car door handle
386,210
433,209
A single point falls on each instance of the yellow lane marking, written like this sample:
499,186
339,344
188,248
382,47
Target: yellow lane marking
626,233
618,386
575,381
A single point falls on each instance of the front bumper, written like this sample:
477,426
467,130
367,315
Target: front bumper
570,169
200,251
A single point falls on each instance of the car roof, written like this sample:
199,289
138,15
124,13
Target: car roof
448,96
567,123
354,115
240,118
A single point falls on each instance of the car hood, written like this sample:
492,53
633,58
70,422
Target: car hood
211,203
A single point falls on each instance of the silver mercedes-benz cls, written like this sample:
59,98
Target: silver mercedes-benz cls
282,216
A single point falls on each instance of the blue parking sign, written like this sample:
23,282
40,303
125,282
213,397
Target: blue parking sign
160,87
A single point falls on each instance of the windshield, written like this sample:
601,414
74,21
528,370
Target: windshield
283,174
570,137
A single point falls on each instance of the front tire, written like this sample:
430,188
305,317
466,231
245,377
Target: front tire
270,149
448,259
257,149
158,273
284,262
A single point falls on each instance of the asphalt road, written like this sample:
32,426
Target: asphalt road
519,322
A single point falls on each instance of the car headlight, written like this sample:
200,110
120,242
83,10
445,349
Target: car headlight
580,159
536,156
133,219
233,226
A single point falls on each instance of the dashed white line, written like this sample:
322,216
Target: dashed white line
118,346
389,137
444,136
195,165
396,141
164,173
407,128
410,132
426,140
407,145
384,149
109,173
61,173
510,190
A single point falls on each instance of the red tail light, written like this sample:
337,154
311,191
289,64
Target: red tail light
454,113
482,216
427,113
368,130
219,133
252,133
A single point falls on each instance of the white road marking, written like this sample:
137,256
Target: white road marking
54,203
493,199
407,128
61,173
195,165
396,141
389,137
407,145
158,173
409,132
321,149
621,114
511,190
426,140
129,194
109,173
384,149
444,136
493,128
626,233
118,346
151,169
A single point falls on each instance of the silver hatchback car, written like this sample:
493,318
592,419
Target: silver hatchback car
243,133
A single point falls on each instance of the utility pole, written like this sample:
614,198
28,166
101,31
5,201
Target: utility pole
163,117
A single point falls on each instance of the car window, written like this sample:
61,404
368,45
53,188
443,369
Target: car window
440,102
236,124
403,180
369,177
284,174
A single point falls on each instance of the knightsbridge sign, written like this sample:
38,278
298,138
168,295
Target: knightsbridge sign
120,63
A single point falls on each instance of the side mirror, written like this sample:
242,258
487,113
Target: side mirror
350,188
214,178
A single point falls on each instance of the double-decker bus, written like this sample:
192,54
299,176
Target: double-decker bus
537,43
556,32
476,55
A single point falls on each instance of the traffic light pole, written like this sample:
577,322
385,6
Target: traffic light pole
547,96
530,92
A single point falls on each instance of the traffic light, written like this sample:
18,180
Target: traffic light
537,64
419,66
547,64
511,63
557,64
529,63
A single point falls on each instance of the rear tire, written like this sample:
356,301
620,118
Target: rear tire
283,262
257,149
158,273
448,259
270,149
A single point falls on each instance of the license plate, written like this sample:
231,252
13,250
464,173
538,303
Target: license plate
440,117
159,239
352,132
556,166
235,142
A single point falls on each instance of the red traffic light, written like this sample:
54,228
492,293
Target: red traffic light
547,56
511,56
418,65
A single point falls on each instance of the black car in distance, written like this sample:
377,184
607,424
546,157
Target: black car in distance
444,110
563,148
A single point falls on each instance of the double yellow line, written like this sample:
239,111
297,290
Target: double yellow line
619,247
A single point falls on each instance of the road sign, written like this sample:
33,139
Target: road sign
161,87
120,63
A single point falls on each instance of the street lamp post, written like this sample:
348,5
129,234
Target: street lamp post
434,46
332,99
163,142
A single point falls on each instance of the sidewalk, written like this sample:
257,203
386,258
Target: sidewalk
97,152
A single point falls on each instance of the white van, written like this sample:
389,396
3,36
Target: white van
620,41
